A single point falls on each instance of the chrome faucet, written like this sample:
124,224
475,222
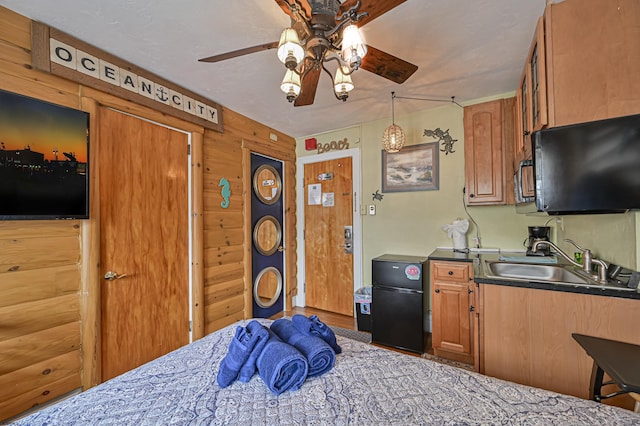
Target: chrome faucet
587,260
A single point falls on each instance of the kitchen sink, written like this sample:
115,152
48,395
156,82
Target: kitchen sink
535,272
554,274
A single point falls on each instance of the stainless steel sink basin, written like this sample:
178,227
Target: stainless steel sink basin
535,272
555,274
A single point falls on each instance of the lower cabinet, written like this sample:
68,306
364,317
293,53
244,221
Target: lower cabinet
525,336
452,290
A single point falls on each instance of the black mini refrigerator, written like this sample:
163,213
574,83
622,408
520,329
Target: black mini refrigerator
399,301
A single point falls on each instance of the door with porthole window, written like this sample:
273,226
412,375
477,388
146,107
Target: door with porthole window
267,252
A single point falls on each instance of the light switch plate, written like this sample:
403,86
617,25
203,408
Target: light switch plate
372,210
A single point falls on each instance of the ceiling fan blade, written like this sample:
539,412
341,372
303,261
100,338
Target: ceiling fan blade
387,65
375,8
305,6
309,86
240,52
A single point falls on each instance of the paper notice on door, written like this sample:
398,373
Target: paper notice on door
314,194
328,200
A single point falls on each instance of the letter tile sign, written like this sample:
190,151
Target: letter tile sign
58,53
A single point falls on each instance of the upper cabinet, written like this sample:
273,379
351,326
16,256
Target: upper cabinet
592,60
488,152
582,66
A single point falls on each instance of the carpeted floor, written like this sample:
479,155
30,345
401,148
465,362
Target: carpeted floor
447,361
366,338
352,334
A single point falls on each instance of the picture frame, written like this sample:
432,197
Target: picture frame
414,168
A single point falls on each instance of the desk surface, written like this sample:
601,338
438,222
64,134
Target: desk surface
619,360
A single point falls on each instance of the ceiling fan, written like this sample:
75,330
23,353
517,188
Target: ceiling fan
323,31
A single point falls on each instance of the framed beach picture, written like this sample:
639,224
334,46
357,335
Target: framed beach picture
414,168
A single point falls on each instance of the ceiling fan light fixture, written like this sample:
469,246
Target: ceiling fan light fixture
353,47
290,51
342,83
291,85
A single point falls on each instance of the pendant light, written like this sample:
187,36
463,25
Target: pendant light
393,137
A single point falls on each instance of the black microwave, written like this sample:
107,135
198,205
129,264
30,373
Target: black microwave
586,168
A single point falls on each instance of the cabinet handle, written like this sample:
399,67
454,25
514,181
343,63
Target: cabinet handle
471,195
526,133
450,272
437,290
470,291
472,308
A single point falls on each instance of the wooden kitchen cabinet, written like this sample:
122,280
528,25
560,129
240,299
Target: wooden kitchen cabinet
581,66
488,152
452,298
525,336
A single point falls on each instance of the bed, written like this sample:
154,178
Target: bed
367,385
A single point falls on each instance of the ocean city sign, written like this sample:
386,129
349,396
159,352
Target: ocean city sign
61,54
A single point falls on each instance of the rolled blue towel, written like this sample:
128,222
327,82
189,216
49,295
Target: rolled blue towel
313,326
320,356
281,366
262,334
239,350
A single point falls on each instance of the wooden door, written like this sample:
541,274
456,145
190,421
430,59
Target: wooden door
144,234
328,210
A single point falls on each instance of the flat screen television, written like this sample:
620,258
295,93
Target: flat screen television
591,167
44,152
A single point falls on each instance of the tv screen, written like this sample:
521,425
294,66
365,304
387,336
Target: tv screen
44,151
591,167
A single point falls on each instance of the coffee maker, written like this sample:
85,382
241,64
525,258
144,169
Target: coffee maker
538,233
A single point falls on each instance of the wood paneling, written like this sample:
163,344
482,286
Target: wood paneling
49,270
28,349
40,374
25,286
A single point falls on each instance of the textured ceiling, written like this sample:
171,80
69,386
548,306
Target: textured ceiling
464,48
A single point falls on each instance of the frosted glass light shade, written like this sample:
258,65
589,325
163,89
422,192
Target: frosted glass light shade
289,48
353,47
342,83
291,85
393,138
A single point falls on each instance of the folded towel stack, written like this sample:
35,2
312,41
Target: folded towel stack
312,326
281,366
318,353
243,343
249,368
284,356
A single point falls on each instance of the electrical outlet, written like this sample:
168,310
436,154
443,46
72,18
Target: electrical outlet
372,210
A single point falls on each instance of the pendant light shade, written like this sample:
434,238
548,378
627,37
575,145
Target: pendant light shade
393,137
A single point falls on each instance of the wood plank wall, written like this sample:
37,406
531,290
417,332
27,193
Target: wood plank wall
49,283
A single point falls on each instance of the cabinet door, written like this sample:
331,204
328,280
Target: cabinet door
452,296
488,165
452,329
592,60
538,81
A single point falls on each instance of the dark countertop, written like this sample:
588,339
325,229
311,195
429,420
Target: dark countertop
477,257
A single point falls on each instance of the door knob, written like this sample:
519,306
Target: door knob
112,275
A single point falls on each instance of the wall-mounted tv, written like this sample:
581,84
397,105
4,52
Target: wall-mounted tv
44,153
